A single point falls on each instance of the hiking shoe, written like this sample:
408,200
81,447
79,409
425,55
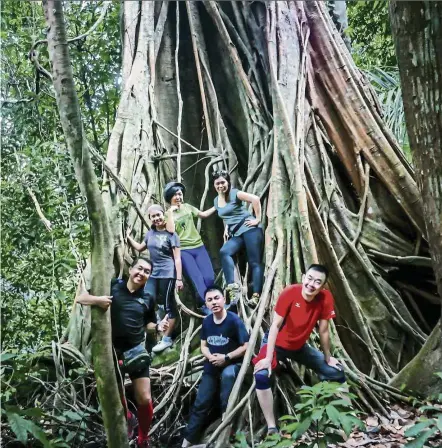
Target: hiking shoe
254,300
272,430
132,423
162,345
234,292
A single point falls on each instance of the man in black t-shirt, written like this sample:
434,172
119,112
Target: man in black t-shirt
132,313
224,340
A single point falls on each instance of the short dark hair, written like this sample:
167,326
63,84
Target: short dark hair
213,288
145,259
319,268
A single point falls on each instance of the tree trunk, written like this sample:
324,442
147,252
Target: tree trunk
417,27
101,242
270,91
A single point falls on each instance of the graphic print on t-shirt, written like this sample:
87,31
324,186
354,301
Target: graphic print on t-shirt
218,341
163,245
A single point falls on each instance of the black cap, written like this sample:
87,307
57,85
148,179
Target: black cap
171,188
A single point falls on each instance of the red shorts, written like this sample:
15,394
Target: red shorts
262,354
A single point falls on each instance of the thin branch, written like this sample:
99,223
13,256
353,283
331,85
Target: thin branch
176,136
40,213
178,155
118,182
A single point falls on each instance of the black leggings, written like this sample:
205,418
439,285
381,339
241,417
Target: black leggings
163,292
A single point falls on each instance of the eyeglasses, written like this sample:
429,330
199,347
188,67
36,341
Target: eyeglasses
220,173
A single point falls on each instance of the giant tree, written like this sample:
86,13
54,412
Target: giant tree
417,28
269,91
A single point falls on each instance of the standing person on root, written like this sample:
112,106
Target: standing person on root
132,312
242,230
297,311
224,340
164,250
197,265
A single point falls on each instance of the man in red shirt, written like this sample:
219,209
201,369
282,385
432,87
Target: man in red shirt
297,311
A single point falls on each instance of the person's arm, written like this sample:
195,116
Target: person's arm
205,350
178,267
206,213
137,246
256,203
170,222
152,327
266,363
219,359
90,300
324,337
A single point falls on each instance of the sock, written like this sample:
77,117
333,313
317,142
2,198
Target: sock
145,415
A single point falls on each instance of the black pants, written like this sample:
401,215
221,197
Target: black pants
163,292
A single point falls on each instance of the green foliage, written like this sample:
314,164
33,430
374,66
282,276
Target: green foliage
39,268
43,408
428,426
387,86
324,411
370,33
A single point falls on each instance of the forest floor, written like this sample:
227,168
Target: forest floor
380,432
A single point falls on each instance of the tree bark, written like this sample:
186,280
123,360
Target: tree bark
101,241
417,28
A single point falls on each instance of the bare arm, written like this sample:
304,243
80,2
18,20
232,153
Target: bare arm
170,222
205,350
254,200
324,336
90,300
207,213
137,246
178,267
151,327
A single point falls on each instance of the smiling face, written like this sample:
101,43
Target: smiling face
157,218
215,301
177,199
140,272
312,283
221,184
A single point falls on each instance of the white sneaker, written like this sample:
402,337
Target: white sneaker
162,345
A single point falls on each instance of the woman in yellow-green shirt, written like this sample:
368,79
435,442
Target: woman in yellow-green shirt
196,262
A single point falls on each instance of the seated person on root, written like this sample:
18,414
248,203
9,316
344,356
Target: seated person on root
164,250
132,312
197,265
242,230
224,340
297,311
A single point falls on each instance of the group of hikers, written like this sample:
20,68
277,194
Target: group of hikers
176,248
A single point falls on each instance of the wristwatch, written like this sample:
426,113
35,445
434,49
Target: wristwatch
227,357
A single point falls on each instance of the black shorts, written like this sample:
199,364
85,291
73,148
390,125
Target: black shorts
163,292
119,370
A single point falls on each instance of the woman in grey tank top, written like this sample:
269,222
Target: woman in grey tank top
242,230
